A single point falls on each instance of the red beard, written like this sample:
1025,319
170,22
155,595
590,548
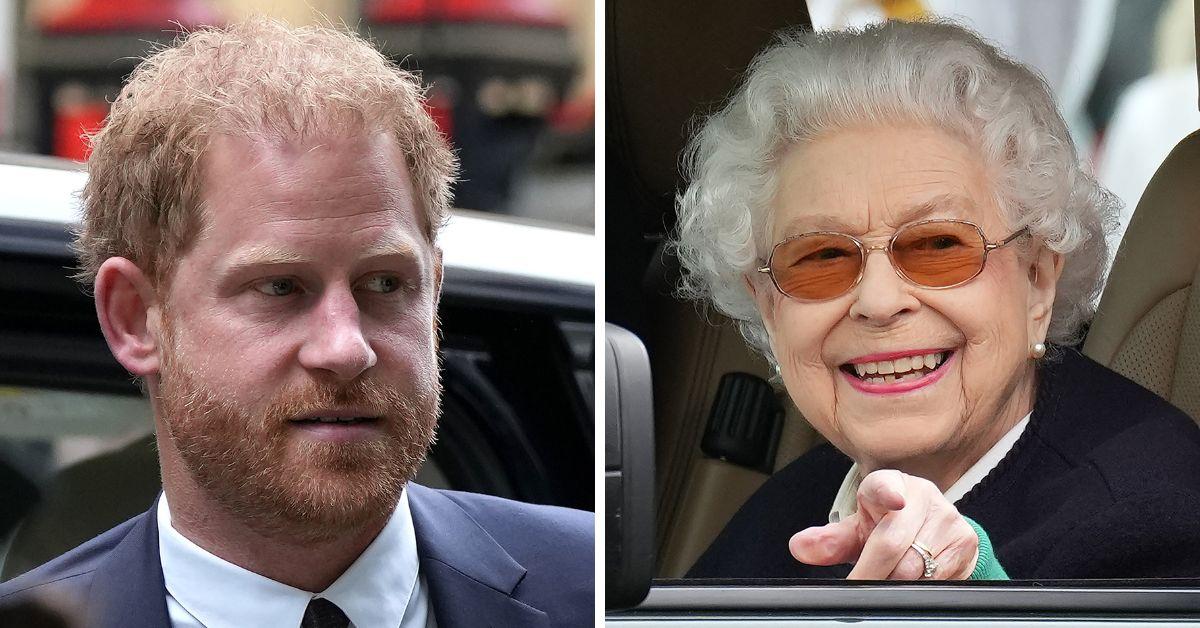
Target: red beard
254,463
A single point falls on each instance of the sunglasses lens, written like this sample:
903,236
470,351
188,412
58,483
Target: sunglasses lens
939,254
816,266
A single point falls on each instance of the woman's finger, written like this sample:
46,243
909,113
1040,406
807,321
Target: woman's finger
882,492
888,549
888,542
832,544
951,541
912,567
843,542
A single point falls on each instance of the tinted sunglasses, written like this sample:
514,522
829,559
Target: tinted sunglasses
938,254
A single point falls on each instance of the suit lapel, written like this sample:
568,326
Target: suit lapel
471,577
127,588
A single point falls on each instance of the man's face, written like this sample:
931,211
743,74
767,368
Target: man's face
299,378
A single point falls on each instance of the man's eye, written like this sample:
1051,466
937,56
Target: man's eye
281,287
382,283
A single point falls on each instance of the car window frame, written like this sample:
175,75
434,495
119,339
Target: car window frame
1078,600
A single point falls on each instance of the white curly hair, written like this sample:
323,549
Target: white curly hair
935,73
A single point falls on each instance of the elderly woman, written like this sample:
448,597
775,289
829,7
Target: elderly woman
897,218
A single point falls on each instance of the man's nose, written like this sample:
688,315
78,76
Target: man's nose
882,295
336,342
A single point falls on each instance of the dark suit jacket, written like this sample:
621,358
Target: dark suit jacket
488,562
1103,483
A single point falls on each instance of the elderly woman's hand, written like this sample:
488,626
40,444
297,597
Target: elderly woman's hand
894,511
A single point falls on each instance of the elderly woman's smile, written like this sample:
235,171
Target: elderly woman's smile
898,220
896,371
891,370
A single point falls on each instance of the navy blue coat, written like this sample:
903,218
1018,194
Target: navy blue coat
1103,483
488,562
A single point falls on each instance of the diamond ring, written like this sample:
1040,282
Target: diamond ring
927,556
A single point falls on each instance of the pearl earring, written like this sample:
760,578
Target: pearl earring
1037,350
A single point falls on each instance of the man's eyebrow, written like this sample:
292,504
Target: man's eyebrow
400,247
263,255
273,255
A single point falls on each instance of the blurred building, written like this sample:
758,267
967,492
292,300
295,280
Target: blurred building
511,81
1153,114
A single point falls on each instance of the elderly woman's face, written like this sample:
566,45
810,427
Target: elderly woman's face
867,183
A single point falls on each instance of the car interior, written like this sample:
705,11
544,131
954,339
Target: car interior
1147,326
517,403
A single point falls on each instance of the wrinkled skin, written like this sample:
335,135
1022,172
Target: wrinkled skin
868,182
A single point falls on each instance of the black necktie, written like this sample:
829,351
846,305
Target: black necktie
321,613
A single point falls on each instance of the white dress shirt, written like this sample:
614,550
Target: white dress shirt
846,502
381,589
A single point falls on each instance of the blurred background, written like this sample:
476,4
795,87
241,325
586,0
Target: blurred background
512,82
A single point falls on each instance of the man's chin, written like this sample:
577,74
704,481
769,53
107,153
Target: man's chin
318,501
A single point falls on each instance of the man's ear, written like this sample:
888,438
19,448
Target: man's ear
437,275
1044,271
127,306
437,297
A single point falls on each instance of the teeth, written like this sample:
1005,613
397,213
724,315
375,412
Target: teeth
898,367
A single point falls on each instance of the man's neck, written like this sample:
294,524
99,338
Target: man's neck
301,564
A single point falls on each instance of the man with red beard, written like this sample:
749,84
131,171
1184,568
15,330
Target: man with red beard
260,226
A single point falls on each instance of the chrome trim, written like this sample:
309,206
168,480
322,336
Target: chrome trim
926,598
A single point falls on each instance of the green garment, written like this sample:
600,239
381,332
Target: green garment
987,567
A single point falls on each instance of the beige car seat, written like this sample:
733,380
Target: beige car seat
1148,324
703,348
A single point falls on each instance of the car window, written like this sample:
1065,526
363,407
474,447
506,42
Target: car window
43,431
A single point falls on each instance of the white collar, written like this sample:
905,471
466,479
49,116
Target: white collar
374,591
846,502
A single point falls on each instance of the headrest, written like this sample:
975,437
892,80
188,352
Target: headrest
1158,255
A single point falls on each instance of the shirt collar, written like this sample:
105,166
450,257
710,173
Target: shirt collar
374,591
846,501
